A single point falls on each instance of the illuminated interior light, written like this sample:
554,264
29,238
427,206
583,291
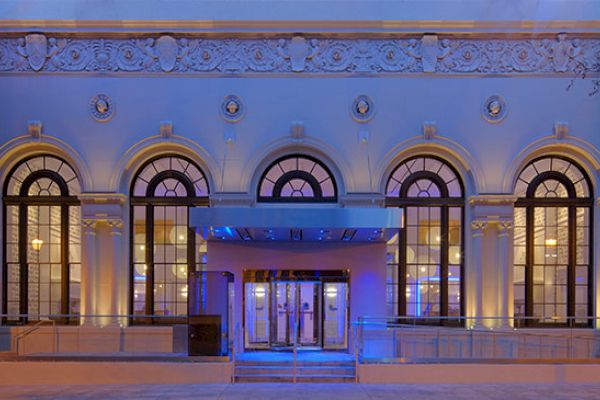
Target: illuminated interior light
37,244
551,242
423,269
142,247
331,291
259,291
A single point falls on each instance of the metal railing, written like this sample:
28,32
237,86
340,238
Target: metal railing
438,339
97,334
31,329
296,332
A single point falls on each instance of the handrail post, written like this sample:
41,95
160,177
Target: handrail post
356,344
295,349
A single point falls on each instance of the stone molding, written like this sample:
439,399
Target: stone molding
493,200
197,54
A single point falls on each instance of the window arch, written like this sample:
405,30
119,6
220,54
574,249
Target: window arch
425,259
42,241
164,250
297,179
552,237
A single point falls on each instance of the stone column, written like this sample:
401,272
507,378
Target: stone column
504,271
101,254
477,232
116,233
88,268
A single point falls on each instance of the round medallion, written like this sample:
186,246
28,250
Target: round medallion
494,109
362,108
232,108
101,108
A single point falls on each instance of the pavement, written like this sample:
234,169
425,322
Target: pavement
312,391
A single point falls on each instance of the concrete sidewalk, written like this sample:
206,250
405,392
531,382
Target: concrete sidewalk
274,391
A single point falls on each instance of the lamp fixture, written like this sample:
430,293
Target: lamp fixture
37,244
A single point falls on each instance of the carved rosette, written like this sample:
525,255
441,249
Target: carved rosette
194,54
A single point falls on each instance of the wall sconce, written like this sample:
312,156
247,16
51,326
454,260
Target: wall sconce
331,291
37,244
259,291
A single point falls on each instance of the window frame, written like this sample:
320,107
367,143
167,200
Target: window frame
149,202
572,203
296,174
23,201
444,202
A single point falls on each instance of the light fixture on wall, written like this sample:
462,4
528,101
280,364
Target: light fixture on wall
259,291
37,244
551,242
331,291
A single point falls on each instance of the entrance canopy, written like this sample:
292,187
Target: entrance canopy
306,224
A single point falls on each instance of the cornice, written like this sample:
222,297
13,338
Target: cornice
102,198
301,55
493,200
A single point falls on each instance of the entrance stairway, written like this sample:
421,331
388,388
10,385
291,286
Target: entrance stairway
308,369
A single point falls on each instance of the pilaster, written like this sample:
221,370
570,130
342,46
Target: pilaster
477,231
493,216
88,261
102,256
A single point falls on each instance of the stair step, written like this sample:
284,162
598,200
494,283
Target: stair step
290,378
299,371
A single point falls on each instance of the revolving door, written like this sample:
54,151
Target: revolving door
308,309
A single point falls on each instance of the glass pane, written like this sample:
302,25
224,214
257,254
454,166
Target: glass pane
256,315
336,314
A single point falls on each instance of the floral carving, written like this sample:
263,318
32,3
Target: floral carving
129,57
194,54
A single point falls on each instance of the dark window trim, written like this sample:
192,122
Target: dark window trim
149,202
276,198
23,201
444,203
571,203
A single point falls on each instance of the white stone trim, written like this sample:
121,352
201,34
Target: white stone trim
315,54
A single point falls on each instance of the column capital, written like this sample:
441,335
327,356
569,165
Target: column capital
478,227
116,226
504,227
89,225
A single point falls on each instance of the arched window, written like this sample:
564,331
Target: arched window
425,263
42,241
164,250
297,179
552,273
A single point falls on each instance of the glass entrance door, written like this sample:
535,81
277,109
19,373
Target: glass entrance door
310,314
296,312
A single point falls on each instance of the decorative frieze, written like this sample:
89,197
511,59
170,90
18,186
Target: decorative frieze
196,55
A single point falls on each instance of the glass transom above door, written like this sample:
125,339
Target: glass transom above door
308,309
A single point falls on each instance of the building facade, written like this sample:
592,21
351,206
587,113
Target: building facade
341,160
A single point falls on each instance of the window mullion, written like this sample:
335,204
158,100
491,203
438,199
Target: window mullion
23,268
149,307
572,261
444,222
529,262
402,268
64,260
